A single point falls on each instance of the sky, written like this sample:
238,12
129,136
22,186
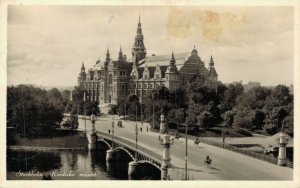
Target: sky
48,44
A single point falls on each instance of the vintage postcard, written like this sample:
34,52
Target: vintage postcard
164,93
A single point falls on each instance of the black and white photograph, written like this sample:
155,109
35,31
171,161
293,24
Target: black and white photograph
139,92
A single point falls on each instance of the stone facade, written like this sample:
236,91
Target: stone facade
113,79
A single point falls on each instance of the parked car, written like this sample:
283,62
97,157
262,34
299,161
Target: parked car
120,124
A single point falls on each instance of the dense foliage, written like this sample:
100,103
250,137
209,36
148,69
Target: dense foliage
260,108
33,111
77,105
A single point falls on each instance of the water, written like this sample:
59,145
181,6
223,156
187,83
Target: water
61,165
72,165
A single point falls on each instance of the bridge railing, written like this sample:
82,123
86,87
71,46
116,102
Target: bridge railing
233,148
150,154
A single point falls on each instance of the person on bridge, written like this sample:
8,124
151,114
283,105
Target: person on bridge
196,141
108,131
208,160
141,129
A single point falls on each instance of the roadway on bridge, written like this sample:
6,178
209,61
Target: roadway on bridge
226,165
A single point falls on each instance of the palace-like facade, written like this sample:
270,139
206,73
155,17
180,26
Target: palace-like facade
110,80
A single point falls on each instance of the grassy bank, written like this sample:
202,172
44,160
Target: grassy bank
60,139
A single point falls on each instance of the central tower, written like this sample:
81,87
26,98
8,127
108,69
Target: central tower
138,49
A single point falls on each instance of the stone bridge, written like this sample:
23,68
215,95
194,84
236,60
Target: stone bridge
139,155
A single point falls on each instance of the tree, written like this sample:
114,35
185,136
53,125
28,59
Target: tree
176,116
33,111
228,117
288,125
134,106
255,98
280,96
274,120
205,119
257,119
278,106
228,99
203,106
241,121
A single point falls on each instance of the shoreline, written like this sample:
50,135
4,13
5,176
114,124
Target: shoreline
42,148
62,141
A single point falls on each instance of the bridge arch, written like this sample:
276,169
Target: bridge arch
105,142
149,162
126,151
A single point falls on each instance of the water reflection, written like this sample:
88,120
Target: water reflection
31,160
82,164
72,165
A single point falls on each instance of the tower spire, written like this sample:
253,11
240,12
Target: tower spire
138,49
172,61
107,54
120,53
212,73
211,63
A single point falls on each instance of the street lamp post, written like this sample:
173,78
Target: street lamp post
84,109
153,110
166,142
125,110
92,137
133,166
141,112
136,134
112,131
282,141
186,153
162,128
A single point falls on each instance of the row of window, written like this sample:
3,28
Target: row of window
145,86
123,86
146,76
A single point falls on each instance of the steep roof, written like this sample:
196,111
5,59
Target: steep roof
164,60
98,66
212,72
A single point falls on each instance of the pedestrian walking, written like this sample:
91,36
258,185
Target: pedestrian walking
196,142
108,131
147,129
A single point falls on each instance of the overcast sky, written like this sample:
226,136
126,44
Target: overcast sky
47,44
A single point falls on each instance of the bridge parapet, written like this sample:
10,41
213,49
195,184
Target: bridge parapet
144,154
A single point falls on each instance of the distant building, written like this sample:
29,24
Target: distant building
250,85
110,80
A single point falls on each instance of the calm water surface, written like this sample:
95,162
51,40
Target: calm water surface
83,165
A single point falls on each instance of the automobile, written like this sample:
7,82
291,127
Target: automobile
120,124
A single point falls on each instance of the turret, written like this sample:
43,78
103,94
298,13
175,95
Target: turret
212,73
107,55
82,75
172,74
120,54
172,66
107,59
138,49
